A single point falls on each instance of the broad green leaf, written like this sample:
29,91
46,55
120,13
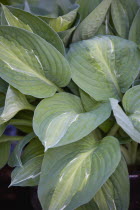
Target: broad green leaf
114,194
61,119
131,104
14,102
90,25
131,7
4,153
61,23
30,64
104,66
88,102
28,174
120,18
15,159
86,7
134,33
79,171
124,122
66,35
32,150
19,18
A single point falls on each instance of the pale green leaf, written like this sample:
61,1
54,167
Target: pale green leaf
120,18
78,172
124,122
61,23
104,66
25,20
134,33
4,153
131,104
14,102
61,119
15,159
114,194
30,64
90,25
28,174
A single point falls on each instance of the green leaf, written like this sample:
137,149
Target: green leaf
14,102
114,194
14,159
2,128
131,104
79,171
28,174
86,7
61,23
3,86
134,33
104,66
66,35
4,153
19,18
131,7
90,25
31,64
61,119
120,18
124,122
5,138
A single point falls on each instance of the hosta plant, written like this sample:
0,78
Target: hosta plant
69,80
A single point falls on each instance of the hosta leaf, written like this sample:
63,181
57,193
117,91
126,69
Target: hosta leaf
104,66
79,171
19,18
62,23
28,174
2,128
131,7
86,7
114,194
4,153
31,64
14,159
134,33
131,104
120,18
14,102
90,25
32,150
66,35
61,119
5,138
124,122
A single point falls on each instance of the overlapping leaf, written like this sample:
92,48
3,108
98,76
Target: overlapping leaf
19,18
4,153
14,102
79,171
90,25
61,119
134,33
28,174
124,122
114,194
104,66
120,18
31,64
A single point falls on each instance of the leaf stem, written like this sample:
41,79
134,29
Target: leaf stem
20,122
113,130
